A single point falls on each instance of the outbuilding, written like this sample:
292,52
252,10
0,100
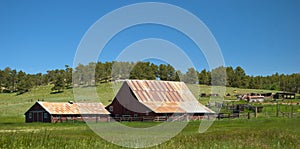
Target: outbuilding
284,95
255,98
155,100
52,112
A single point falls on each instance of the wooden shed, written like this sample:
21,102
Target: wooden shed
284,95
155,100
66,111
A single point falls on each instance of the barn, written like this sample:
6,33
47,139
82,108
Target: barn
52,112
155,100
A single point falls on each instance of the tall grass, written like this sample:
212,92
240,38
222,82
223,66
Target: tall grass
238,133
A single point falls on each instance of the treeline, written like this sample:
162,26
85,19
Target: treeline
12,80
284,82
94,73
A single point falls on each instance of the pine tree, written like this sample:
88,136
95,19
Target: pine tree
24,83
191,76
204,77
59,84
68,72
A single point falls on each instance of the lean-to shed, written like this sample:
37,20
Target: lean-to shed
66,111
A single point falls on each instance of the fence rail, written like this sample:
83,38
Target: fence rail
259,110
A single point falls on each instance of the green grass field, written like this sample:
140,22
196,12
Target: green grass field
237,133
266,131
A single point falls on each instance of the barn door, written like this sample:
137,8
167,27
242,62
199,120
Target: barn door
37,116
40,117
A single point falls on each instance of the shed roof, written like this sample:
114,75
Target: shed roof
166,96
68,108
285,93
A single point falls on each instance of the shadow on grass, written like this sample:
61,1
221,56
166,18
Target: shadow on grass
56,92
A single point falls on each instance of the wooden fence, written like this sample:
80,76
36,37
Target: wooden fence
287,110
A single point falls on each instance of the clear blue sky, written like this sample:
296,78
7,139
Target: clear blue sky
263,37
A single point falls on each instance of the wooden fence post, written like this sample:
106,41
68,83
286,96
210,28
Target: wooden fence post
255,111
277,110
248,115
292,109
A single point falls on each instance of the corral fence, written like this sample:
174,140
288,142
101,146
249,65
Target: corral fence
288,110
268,110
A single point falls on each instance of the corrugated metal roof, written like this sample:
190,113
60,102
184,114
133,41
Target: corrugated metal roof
66,108
166,96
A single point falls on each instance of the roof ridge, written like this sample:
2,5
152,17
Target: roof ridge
154,80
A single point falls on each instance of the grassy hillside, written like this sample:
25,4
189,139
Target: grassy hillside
13,106
262,132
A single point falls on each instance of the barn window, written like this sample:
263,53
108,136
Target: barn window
45,115
111,108
117,115
135,115
147,112
30,115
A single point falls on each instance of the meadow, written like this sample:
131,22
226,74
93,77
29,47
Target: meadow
263,132
227,133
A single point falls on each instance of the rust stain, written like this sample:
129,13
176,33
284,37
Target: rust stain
74,108
166,96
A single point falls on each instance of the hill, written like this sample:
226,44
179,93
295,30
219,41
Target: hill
13,106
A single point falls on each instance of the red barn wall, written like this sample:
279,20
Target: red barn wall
37,114
125,103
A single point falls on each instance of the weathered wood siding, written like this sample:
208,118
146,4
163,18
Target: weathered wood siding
37,114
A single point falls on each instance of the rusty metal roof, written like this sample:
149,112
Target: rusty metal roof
166,96
68,108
